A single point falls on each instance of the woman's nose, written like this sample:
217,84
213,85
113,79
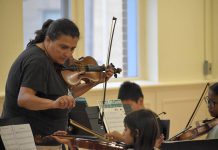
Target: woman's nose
68,54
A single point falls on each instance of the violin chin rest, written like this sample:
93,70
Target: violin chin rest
71,78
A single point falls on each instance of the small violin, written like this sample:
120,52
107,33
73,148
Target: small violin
86,143
86,69
82,143
92,144
196,132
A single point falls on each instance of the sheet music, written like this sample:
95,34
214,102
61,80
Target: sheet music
17,137
114,115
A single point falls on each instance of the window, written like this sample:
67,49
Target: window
98,19
36,12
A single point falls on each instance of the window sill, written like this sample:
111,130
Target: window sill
143,83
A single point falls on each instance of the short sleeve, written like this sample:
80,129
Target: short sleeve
213,133
35,75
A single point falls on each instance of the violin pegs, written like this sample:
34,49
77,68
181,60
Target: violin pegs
115,75
81,58
118,70
112,65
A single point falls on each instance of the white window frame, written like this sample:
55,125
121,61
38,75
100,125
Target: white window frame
78,17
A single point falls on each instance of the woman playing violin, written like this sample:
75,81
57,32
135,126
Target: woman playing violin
141,130
35,88
212,101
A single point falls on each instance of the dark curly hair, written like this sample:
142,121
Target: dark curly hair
54,28
214,88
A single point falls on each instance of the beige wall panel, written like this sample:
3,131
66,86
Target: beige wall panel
148,105
1,103
179,112
178,108
215,38
150,98
78,14
180,40
179,103
11,39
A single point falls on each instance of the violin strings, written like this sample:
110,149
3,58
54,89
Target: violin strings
84,67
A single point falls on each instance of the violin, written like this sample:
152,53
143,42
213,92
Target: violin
190,134
104,144
100,143
85,69
86,143
92,144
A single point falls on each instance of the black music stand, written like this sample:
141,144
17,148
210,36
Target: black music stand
88,117
93,115
79,115
165,125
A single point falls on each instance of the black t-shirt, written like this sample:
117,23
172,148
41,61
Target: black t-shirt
35,70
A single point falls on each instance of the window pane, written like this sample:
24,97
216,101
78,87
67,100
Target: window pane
35,12
98,19
132,47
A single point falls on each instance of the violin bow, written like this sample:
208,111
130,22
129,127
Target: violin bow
88,130
197,106
107,63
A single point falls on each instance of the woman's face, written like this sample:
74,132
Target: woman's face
60,49
127,136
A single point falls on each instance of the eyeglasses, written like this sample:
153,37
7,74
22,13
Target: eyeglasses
210,102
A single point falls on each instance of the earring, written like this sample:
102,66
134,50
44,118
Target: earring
137,132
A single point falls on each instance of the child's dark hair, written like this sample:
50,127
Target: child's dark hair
54,28
214,88
144,128
130,90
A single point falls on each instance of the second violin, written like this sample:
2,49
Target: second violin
195,132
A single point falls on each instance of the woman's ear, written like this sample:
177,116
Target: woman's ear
47,39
